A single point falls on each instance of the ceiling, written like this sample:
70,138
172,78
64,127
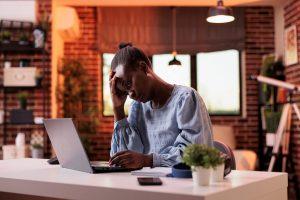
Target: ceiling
168,2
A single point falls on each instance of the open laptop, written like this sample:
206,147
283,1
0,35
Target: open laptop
69,149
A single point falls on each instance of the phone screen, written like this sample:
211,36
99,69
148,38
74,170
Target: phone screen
149,181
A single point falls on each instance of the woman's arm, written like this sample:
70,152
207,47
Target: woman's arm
194,125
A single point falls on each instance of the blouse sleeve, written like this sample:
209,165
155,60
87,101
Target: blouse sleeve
194,125
126,135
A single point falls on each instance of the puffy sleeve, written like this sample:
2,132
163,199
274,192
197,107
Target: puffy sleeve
194,127
126,134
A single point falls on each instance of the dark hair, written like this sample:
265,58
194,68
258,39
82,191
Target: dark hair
129,56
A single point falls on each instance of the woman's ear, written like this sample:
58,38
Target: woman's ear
143,66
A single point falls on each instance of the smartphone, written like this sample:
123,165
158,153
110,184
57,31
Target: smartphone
149,181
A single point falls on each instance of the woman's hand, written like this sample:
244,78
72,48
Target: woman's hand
131,160
118,97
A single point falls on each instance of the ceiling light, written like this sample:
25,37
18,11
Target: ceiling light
174,62
220,14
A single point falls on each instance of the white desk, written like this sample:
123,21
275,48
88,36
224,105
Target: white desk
35,177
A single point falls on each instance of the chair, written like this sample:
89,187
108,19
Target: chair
230,159
245,159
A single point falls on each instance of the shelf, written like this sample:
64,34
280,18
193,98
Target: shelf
14,48
10,124
16,88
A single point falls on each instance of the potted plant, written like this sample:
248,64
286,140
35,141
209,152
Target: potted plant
38,77
5,37
198,157
218,164
22,97
24,39
36,150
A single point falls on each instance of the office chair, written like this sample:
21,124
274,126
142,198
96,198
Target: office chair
230,160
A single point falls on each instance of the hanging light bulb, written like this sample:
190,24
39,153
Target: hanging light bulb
220,14
174,61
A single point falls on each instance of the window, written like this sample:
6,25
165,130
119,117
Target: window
215,75
107,103
218,81
174,75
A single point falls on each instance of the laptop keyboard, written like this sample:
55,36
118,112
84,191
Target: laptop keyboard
105,169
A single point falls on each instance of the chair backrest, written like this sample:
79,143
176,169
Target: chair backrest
230,161
224,134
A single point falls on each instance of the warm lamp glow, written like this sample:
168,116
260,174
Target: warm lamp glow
220,19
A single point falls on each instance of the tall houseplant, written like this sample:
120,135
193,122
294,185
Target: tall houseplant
76,98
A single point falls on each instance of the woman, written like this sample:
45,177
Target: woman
163,118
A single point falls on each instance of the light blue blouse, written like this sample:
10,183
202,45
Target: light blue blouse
166,131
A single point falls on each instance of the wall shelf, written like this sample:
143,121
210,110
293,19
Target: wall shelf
15,48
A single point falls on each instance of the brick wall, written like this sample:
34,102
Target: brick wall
259,41
36,99
292,17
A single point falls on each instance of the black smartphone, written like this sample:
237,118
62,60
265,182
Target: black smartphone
149,181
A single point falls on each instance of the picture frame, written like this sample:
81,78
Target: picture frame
290,45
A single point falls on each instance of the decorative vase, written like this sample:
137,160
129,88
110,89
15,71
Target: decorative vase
37,153
201,176
39,38
218,173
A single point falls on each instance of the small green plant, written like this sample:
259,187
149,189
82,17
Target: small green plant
5,36
23,37
201,155
37,146
22,97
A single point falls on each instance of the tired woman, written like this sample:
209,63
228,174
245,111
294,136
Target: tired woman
163,118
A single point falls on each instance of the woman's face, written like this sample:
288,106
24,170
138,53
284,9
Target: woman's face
135,82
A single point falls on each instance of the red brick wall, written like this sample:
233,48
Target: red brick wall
292,17
35,101
259,41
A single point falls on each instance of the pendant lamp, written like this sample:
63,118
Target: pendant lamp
220,14
174,61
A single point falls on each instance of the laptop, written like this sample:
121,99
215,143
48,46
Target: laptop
69,149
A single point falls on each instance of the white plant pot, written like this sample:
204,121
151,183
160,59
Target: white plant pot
37,153
201,176
218,173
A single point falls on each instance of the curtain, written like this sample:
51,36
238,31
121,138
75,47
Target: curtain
150,28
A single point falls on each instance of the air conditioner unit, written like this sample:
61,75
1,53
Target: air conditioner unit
67,23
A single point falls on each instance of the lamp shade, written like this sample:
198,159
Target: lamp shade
220,14
174,62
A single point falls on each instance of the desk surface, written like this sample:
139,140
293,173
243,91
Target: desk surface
36,177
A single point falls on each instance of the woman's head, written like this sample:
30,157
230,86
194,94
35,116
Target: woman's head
132,68
129,56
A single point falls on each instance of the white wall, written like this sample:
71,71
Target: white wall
23,10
